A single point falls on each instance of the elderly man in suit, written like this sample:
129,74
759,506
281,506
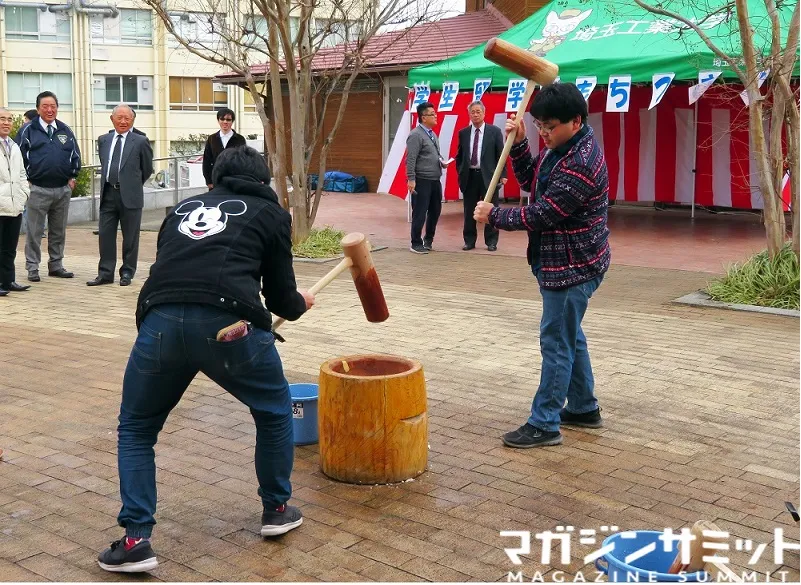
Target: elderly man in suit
480,147
126,160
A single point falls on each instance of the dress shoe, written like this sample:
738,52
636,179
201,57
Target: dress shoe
3,292
492,248
15,287
467,247
34,276
60,273
125,280
99,280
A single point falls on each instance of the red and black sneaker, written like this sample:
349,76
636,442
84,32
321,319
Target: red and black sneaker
129,555
281,520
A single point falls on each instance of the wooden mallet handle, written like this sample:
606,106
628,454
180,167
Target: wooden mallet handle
343,265
528,65
356,249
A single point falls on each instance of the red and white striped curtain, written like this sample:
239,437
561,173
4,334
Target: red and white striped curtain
662,155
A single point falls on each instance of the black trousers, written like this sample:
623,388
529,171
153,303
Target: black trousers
426,208
473,193
112,214
9,237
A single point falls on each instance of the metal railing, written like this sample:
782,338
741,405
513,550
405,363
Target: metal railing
170,175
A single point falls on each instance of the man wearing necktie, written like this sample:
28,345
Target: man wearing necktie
480,147
126,160
52,161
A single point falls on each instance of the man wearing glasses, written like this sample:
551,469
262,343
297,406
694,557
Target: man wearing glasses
424,166
568,250
227,137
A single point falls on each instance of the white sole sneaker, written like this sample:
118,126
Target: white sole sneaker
138,567
272,530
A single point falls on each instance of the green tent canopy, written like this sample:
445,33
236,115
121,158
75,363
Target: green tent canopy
603,38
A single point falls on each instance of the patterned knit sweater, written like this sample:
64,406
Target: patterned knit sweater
567,212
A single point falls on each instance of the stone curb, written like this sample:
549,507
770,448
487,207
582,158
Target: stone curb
701,299
340,257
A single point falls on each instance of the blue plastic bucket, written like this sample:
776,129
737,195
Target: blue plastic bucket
650,568
304,413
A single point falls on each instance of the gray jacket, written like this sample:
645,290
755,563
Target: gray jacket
136,166
422,156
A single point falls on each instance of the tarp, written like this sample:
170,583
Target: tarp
615,37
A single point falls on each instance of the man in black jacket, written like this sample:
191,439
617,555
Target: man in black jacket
219,141
214,252
52,160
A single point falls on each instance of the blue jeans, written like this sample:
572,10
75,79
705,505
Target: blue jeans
175,342
566,369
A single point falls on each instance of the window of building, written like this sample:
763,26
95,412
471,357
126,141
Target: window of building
31,24
24,87
110,90
250,106
197,94
330,32
131,27
136,27
200,29
258,24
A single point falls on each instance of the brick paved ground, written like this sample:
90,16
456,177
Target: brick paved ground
701,410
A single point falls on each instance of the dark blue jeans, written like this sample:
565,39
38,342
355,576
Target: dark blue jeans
566,369
175,342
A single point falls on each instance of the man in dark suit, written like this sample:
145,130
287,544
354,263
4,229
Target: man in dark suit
227,137
126,160
480,147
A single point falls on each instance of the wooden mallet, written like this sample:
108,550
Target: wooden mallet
528,65
357,257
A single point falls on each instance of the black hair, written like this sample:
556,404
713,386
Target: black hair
243,161
45,94
222,112
31,114
423,107
561,101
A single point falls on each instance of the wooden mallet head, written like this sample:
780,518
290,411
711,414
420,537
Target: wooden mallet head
517,60
356,248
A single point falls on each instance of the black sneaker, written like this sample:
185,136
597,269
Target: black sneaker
428,246
129,555
590,420
281,520
529,436
418,250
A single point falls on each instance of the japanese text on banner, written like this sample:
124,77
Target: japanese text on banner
585,85
421,94
514,94
479,87
660,82
619,97
450,89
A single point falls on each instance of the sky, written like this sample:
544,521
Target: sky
457,6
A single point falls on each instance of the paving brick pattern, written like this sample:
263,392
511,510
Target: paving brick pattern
701,411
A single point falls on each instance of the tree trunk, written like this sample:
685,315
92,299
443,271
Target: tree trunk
772,212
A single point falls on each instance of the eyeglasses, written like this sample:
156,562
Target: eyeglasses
226,120
547,129
429,114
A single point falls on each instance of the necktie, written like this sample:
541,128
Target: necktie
7,146
474,156
114,167
50,132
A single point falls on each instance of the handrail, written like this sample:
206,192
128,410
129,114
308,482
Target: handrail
171,177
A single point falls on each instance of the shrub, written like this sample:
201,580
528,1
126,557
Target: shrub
761,281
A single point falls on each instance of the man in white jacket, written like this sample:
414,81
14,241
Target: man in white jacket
14,191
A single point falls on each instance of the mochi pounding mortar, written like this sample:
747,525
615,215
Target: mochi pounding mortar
356,249
528,65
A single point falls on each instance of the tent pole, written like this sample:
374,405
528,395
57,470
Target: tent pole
695,157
